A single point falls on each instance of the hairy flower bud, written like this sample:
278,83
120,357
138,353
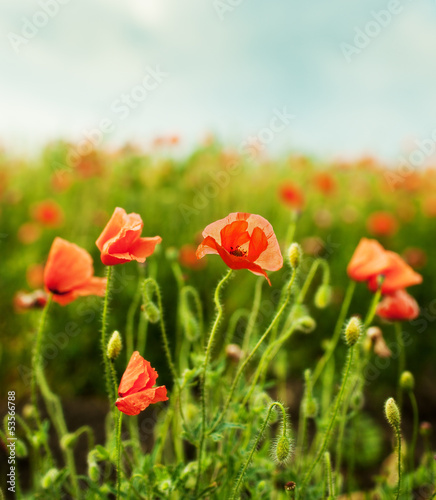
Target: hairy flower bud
294,255
114,346
283,449
305,324
151,312
392,413
353,331
49,478
68,440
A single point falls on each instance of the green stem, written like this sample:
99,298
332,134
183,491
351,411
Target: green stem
256,443
253,352
336,333
372,309
311,275
401,361
120,418
134,304
103,340
219,309
329,475
253,314
398,433
415,431
330,426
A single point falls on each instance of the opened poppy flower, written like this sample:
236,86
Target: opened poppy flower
121,240
136,390
243,241
69,273
369,259
397,275
398,306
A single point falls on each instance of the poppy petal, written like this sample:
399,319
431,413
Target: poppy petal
369,259
234,234
139,375
68,266
133,404
207,246
95,286
258,244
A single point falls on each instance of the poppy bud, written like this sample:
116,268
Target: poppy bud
114,346
283,449
151,312
93,469
323,296
425,429
407,381
353,331
29,411
306,324
20,449
171,253
294,255
311,408
392,413
68,441
50,478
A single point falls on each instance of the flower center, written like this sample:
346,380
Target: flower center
237,252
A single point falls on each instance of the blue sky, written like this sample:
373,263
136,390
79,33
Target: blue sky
227,66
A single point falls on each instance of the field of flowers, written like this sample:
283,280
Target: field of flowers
218,325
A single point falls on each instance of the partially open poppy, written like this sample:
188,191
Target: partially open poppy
121,240
369,259
397,275
69,273
243,241
398,306
136,390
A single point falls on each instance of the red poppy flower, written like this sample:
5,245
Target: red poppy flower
136,390
397,274
398,306
292,196
325,183
382,224
48,213
243,241
69,273
369,259
120,240
188,258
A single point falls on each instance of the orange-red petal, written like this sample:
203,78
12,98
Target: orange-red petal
369,259
139,375
68,267
398,306
133,404
95,286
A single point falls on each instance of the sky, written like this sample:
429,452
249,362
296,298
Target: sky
334,78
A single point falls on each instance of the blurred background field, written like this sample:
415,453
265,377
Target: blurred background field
337,204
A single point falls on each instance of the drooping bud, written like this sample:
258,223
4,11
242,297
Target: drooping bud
392,413
407,381
114,346
151,312
353,331
50,478
68,440
294,255
93,469
283,449
305,324
323,296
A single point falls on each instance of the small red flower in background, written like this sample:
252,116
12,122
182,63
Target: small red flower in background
48,213
325,183
292,196
35,275
398,306
369,259
69,273
34,300
121,240
188,258
243,241
397,275
415,257
136,390
382,224
28,233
